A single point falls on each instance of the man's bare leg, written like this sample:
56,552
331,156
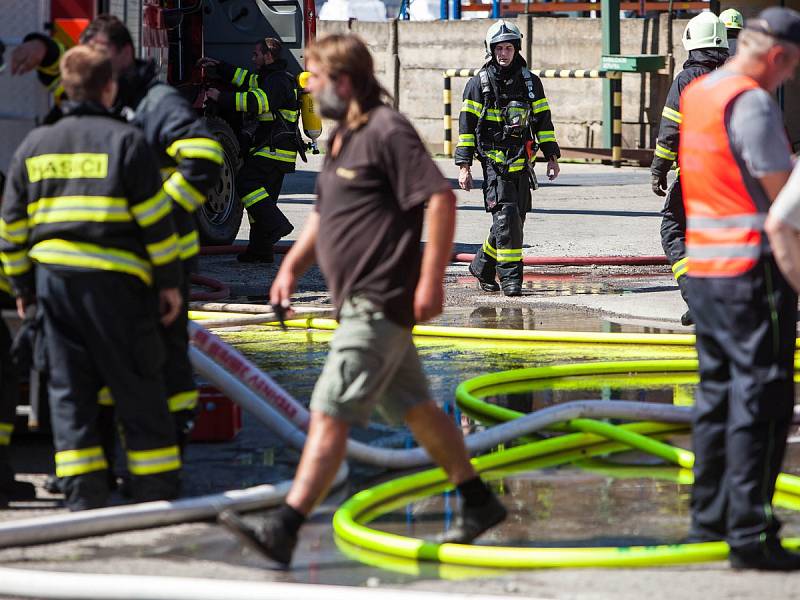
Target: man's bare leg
435,432
276,535
322,454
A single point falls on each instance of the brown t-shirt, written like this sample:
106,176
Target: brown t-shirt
370,200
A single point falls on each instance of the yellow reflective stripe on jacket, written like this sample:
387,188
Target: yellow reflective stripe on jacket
255,196
164,251
150,462
104,397
204,148
493,114
62,209
82,165
289,115
183,401
261,98
53,86
473,107
16,263
540,106
277,154
79,462
509,255
153,210
15,232
91,256
6,429
546,136
240,101
665,153
499,157
53,68
466,140
183,192
489,249
680,268
672,115
253,81
188,245
238,77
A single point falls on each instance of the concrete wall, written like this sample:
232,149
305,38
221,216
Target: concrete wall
410,58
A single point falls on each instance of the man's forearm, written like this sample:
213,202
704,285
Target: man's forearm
785,243
441,224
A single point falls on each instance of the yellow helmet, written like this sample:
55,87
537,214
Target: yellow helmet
732,18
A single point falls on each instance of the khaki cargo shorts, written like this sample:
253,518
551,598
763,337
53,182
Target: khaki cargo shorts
372,363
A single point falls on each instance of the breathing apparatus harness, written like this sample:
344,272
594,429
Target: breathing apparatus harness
517,120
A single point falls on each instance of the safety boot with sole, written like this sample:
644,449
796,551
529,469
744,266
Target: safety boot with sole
269,538
769,556
486,285
473,521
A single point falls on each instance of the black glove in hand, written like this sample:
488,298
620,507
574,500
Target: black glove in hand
659,184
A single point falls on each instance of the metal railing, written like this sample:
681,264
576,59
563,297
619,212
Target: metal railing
615,78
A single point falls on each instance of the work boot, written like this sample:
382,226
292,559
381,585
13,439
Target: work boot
767,556
486,285
512,288
686,319
269,538
473,521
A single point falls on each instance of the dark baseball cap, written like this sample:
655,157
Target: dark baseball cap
779,22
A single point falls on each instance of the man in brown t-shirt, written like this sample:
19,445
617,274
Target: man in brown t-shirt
365,233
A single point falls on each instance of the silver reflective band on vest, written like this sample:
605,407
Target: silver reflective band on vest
753,251
752,221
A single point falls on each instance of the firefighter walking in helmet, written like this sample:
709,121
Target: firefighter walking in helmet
706,41
504,118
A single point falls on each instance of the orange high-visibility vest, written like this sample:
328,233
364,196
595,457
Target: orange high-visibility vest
724,222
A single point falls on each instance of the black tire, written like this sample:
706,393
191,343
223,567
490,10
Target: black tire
219,219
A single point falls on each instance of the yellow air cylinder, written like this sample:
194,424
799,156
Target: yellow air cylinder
312,124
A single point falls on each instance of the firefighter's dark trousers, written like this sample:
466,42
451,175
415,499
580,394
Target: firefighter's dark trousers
178,378
101,328
743,409
508,200
9,394
178,372
673,235
259,186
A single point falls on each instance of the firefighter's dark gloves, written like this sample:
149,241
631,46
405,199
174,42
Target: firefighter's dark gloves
659,184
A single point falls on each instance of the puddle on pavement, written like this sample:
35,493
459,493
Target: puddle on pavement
627,499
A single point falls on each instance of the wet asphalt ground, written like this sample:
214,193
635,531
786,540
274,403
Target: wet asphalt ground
589,210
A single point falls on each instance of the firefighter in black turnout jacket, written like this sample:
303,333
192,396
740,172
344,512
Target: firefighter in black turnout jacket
189,159
705,40
267,100
504,113
84,203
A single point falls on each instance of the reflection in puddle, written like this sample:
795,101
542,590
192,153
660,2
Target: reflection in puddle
628,499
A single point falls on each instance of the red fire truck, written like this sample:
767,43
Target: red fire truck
175,33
